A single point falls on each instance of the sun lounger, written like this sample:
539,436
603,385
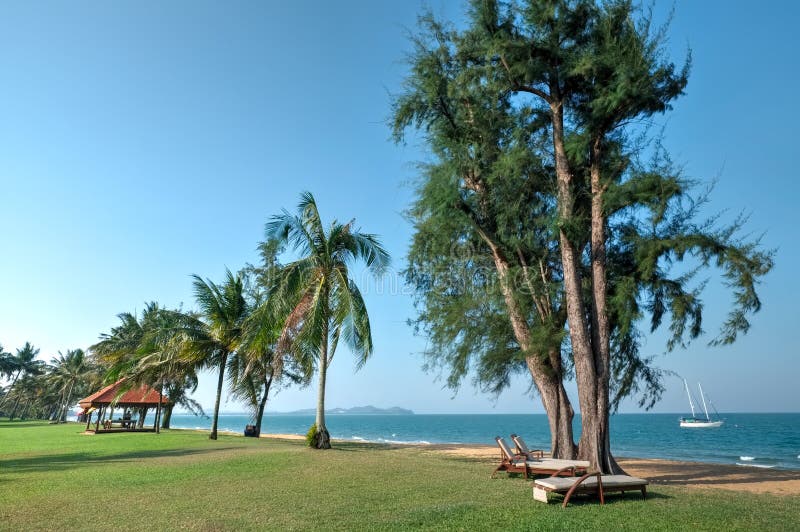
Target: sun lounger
592,483
517,463
521,448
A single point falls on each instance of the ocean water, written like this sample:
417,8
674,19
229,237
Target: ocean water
751,440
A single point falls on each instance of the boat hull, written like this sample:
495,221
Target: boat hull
700,424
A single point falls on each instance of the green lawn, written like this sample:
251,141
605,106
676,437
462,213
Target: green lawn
52,477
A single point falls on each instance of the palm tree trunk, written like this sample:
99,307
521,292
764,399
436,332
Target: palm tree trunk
263,404
220,382
10,387
63,417
158,409
322,439
14,410
167,416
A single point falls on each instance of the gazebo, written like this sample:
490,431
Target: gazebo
139,399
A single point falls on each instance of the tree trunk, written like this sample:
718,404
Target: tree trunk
322,439
263,404
601,335
582,352
548,380
157,424
220,382
14,410
167,415
63,417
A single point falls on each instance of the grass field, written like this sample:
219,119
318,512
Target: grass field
52,477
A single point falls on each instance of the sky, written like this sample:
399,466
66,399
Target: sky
142,142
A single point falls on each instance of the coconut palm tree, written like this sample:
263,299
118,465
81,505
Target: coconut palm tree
7,367
317,296
67,371
24,364
212,339
148,350
178,387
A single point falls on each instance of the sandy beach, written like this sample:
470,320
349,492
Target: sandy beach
694,475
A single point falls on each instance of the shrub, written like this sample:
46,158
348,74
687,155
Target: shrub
311,436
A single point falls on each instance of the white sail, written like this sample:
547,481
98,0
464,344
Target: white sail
703,397
689,395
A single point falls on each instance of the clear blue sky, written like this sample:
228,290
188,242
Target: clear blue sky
141,142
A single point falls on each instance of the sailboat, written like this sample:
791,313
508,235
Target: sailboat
695,422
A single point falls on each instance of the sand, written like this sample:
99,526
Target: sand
693,475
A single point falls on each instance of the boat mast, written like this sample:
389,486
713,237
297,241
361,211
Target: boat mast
703,397
689,395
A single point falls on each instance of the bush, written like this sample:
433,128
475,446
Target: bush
311,436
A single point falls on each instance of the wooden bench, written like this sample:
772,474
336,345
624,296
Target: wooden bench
518,463
591,483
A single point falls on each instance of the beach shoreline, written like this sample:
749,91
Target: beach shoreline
695,475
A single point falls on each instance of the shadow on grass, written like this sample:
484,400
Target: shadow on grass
710,474
610,498
60,462
26,424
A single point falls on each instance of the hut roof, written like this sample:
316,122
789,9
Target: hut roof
138,396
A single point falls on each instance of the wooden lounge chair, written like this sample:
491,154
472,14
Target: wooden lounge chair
521,448
592,483
518,463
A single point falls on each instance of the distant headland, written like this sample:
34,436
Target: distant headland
356,410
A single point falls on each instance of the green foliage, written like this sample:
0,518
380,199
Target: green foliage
311,436
314,297
150,350
485,98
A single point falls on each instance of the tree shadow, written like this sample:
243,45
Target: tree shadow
610,498
17,424
60,462
698,474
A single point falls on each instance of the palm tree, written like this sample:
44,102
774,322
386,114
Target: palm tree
148,350
67,371
258,370
178,388
212,339
25,364
321,302
7,366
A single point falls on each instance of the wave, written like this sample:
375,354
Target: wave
747,458
756,465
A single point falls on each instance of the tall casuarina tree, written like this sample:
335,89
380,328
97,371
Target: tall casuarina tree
316,297
585,74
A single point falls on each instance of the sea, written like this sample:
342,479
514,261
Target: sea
747,440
